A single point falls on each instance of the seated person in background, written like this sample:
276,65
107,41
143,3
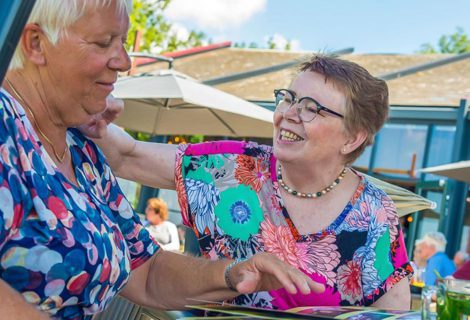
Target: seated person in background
162,230
463,272
432,247
460,258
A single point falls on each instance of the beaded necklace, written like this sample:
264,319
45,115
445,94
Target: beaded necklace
309,195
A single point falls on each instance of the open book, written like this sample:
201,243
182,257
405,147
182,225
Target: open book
228,311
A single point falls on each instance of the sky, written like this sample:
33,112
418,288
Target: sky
369,26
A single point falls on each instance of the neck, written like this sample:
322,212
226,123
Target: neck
309,178
30,93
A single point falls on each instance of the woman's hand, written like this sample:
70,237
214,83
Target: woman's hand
264,272
98,125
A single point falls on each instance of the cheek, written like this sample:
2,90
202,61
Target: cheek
277,118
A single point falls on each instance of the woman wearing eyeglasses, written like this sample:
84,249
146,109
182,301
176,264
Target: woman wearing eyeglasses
298,199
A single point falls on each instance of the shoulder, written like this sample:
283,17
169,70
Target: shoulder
375,194
7,108
226,147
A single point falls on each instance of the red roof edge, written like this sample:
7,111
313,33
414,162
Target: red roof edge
186,52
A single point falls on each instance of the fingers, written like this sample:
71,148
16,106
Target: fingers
113,108
288,276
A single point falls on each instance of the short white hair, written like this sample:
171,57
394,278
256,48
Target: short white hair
55,16
435,239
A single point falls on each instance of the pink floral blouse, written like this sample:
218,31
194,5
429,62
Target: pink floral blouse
229,196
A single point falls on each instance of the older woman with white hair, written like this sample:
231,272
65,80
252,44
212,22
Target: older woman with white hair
432,249
69,239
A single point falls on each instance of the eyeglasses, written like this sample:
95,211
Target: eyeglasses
307,107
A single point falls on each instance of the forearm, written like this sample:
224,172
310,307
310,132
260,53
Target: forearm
14,307
397,298
174,279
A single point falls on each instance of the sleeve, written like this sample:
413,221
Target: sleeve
141,246
180,187
388,261
190,190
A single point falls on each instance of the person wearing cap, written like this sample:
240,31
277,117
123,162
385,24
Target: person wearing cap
432,247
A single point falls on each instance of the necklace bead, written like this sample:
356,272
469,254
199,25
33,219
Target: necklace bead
309,195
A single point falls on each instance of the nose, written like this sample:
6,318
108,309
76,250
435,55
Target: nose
121,60
292,113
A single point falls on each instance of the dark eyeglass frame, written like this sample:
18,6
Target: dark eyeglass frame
299,108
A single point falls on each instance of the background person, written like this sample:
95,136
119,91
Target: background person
432,247
69,239
460,258
162,230
299,199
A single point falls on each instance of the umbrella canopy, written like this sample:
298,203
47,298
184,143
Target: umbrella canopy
405,201
457,170
169,102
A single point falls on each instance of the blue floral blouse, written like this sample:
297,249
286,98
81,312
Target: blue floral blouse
229,196
66,248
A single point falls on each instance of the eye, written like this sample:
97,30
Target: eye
105,43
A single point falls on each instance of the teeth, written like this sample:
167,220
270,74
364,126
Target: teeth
290,136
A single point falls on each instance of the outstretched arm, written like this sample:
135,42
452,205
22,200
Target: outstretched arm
148,163
168,279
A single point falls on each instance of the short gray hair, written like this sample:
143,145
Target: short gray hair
435,239
55,16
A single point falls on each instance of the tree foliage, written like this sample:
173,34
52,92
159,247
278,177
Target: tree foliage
158,35
458,42
270,44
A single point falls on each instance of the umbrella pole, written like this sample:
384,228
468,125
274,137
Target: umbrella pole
224,123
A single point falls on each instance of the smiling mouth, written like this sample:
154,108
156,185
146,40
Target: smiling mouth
289,136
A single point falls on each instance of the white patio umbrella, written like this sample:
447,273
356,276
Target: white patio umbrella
169,102
405,201
456,170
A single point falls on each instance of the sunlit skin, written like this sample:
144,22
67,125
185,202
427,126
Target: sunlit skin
85,80
322,139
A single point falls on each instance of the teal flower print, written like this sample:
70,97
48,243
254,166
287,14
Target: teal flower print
238,212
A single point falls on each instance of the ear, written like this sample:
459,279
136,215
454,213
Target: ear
354,141
32,42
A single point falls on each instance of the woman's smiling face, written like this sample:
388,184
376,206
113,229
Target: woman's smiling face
320,140
83,66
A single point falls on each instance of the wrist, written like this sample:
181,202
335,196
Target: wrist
228,271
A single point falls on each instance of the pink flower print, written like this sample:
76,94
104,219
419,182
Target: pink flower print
359,219
349,282
392,217
322,257
279,241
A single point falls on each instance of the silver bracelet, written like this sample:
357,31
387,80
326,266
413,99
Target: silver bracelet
228,282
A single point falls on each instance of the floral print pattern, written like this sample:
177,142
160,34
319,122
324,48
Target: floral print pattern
66,248
233,186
